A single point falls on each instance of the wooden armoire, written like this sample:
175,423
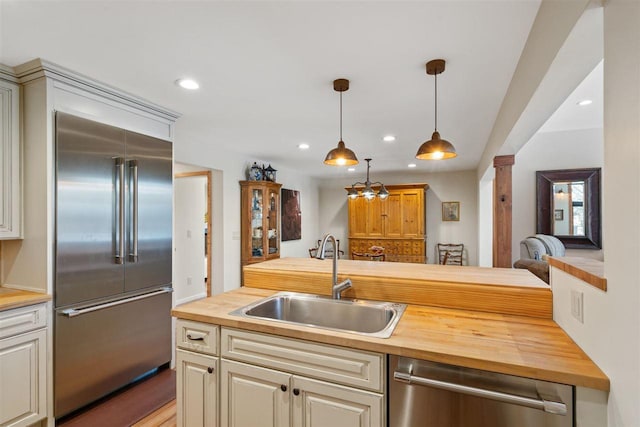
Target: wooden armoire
396,223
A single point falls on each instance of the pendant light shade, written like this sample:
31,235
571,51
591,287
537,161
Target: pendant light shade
436,148
341,155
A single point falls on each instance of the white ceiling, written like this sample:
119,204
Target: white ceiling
266,69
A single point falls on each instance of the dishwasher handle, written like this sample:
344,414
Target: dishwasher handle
550,406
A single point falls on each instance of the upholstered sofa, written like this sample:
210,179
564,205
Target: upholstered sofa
534,251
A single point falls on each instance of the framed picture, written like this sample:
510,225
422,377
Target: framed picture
291,216
451,211
558,214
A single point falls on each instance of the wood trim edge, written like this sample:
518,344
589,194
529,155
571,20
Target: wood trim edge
588,277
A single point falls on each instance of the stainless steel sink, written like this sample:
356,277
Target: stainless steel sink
370,318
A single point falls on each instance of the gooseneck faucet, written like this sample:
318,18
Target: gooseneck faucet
336,288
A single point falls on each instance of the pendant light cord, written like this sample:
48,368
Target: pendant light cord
436,101
340,116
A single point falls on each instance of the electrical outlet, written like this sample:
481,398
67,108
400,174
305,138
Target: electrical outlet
189,281
188,234
577,305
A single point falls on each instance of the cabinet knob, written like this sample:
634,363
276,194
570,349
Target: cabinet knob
283,387
296,391
210,370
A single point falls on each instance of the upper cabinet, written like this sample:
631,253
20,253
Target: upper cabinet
10,161
260,219
396,223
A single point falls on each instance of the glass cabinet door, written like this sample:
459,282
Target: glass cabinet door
272,222
256,223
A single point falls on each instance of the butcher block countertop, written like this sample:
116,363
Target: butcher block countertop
14,298
517,345
494,290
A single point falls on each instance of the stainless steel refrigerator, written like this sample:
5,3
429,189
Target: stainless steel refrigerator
113,244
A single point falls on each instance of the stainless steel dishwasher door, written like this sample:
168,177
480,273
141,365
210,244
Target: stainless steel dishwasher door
429,394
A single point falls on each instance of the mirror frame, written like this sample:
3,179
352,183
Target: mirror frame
544,204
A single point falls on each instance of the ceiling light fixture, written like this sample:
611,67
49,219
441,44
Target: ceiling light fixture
368,192
585,102
411,165
436,148
303,146
341,155
389,138
187,84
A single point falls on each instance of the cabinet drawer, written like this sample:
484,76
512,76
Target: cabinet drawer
23,319
329,363
196,336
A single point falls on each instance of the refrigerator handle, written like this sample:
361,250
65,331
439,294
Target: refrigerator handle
133,255
119,256
73,312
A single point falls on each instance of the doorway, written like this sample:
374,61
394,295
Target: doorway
193,225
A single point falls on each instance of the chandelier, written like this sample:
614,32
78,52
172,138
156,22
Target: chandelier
368,192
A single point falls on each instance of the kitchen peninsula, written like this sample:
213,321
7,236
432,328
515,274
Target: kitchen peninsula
510,332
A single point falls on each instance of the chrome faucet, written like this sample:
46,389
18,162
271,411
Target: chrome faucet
336,288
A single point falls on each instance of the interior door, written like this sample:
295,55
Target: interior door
88,157
149,212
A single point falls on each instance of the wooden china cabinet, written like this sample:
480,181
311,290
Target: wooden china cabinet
396,223
260,221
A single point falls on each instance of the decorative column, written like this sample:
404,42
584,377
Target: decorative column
502,208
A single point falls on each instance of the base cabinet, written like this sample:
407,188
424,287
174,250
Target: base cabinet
23,366
272,381
253,396
197,389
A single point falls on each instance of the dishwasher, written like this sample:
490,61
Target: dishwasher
430,394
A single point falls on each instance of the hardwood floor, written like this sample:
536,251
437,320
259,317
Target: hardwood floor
163,417
150,402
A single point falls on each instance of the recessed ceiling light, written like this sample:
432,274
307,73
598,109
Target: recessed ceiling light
303,146
411,165
389,138
351,170
188,84
585,102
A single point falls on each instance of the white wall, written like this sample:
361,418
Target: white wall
230,168
570,150
443,187
190,199
610,334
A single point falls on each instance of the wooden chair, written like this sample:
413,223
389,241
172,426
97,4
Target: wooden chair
367,256
328,252
450,253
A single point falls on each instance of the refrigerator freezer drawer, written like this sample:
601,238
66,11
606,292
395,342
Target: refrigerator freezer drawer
99,351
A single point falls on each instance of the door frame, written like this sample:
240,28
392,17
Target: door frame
207,243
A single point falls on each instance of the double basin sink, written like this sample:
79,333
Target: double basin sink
369,318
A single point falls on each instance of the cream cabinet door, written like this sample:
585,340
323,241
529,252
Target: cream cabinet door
23,375
10,162
253,397
197,389
321,404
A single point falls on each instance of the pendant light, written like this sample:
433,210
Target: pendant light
341,156
368,192
436,148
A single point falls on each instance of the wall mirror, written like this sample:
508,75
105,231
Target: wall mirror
568,206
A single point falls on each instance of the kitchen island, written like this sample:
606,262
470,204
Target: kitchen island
438,325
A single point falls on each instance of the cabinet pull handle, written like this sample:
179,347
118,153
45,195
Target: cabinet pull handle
283,387
196,336
210,370
296,391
